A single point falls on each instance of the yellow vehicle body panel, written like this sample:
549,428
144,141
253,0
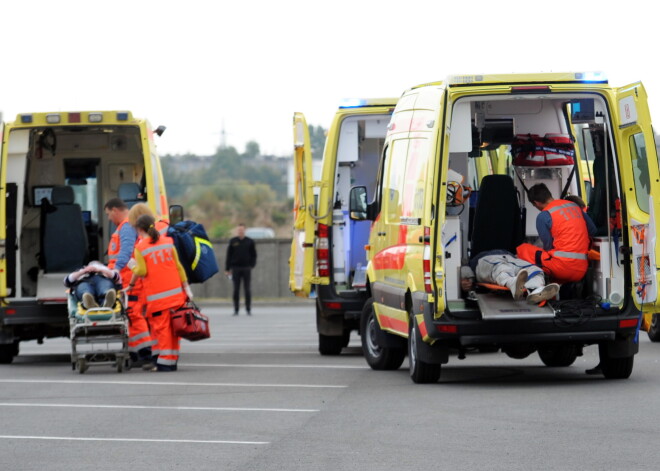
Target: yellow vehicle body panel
301,263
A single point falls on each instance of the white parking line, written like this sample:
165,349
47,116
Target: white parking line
266,365
147,440
173,383
176,408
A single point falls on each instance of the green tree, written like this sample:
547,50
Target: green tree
252,150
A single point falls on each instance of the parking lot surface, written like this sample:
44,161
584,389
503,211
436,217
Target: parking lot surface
258,396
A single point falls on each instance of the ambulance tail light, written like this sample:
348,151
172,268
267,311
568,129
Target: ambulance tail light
426,263
323,250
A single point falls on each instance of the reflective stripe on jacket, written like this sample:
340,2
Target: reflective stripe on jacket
569,230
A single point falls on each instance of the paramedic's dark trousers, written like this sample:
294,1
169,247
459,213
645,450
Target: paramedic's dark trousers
238,274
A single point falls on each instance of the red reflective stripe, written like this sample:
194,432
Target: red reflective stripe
391,323
422,329
391,258
625,323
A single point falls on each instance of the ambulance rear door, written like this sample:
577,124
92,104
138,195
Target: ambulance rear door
639,172
301,263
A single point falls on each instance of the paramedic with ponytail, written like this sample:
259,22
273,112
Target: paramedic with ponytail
120,249
165,287
564,231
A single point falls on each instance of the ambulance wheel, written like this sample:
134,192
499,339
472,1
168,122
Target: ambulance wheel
330,344
617,368
81,365
558,355
654,328
8,352
420,372
378,356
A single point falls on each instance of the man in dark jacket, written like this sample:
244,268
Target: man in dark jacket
241,259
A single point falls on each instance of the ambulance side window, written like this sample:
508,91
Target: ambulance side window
640,169
394,181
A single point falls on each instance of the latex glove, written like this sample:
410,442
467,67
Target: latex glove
189,293
131,263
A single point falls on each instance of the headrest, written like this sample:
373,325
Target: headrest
129,191
62,195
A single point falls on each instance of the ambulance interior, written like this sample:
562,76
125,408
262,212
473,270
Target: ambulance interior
59,179
483,124
361,140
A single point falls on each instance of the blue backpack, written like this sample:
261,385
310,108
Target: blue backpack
195,250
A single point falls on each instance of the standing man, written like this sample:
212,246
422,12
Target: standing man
120,251
241,259
564,231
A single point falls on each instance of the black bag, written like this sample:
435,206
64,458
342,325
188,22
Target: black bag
195,250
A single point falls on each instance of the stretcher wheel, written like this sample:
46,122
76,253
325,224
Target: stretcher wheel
82,366
73,365
120,365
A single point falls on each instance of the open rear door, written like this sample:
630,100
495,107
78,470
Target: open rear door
301,263
639,171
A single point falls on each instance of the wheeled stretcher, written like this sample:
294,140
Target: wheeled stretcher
99,336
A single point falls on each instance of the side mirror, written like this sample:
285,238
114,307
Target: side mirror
176,214
357,204
160,130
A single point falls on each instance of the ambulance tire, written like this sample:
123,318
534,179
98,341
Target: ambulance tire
378,356
7,354
330,344
558,355
617,368
654,328
420,372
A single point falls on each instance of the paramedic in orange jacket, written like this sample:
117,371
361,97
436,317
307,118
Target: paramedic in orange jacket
134,213
120,250
564,231
165,287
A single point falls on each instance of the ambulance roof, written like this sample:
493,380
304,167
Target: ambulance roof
76,118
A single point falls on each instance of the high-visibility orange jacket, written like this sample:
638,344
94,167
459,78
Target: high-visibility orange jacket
163,274
569,230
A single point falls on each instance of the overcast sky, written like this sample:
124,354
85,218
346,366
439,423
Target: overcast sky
193,65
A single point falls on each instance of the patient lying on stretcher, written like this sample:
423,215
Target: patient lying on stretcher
94,285
504,269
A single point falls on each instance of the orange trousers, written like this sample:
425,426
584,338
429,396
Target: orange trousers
167,344
559,269
138,328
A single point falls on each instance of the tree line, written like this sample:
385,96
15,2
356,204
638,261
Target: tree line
232,187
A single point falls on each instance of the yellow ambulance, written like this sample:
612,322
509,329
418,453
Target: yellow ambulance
423,235
57,171
328,258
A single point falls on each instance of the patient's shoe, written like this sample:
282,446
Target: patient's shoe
519,287
88,301
110,297
543,294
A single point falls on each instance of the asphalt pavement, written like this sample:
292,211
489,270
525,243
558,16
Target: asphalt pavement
258,396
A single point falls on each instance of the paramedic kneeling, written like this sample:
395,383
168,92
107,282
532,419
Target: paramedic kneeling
165,287
564,231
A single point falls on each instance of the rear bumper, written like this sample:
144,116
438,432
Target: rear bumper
337,313
466,331
348,306
30,320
